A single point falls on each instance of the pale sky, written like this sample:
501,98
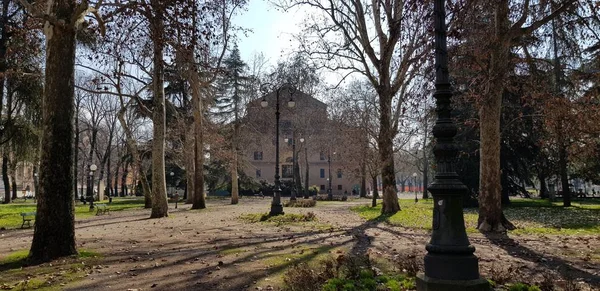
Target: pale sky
272,30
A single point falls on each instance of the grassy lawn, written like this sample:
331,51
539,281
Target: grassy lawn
530,216
10,214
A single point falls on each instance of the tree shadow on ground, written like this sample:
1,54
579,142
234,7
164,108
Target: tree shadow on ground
304,247
550,262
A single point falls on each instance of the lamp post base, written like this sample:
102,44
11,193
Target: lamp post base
425,283
276,209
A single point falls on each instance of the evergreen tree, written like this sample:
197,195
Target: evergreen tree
231,92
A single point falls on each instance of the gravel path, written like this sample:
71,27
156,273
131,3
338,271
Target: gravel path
212,249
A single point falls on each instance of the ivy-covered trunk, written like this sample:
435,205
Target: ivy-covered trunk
54,233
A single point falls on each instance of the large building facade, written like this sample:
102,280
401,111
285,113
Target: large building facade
305,128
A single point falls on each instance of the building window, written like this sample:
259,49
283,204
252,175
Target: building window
322,173
339,173
322,157
286,171
339,187
258,156
322,187
258,173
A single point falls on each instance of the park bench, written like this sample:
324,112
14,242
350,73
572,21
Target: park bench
27,218
102,209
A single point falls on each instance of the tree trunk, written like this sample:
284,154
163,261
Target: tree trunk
425,171
14,184
76,150
160,208
306,185
5,180
375,192
124,179
234,146
543,185
386,156
564,177
135,155
54,233
363,179
491,217
199,199
190,162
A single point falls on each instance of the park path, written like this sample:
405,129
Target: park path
212,249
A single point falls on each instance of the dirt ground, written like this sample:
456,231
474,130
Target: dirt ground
212,249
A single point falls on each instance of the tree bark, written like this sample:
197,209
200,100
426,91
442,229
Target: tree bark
386,156
5,180
124,179
491,217
76,149
199,199
543,185
375,192
306,190
190,162
54,233
564,177
160,207
425,166
234,147
13,178
363,180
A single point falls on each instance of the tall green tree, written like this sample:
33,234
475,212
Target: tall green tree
232,91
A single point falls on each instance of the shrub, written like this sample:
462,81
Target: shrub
323,197
352,273
301,203
501,275
408,264
302,278
279,219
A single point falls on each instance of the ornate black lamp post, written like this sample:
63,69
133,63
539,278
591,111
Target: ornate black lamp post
276,207
449,263
90,190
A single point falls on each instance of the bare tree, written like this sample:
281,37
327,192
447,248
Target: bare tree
383,40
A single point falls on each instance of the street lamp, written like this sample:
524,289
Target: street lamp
450,263
90,190
415,186
276,206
